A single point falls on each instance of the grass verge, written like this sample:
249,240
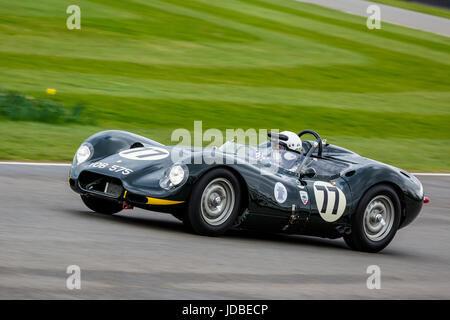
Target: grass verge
153,66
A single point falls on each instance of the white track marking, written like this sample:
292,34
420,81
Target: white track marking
431,174
399,16
43,164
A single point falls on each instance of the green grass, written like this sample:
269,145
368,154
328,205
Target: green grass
153,66
417,7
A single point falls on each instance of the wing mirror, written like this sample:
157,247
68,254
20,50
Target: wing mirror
309,173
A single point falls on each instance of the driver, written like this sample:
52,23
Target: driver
290,150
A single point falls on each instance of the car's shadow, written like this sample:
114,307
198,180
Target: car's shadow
168,223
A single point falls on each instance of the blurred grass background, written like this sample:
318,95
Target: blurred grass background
152,66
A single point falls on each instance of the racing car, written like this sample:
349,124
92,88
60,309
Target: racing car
284,185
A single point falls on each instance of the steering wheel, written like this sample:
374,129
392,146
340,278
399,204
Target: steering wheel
318,141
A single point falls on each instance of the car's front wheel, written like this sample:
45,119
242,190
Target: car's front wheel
102,206
214,203
376,220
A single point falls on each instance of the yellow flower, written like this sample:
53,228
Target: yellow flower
50,91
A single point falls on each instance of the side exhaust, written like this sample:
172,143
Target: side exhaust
344,230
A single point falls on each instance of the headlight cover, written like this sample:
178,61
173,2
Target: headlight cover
418,184
420,189
176,175
83,153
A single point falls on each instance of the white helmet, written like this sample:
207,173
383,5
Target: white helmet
294,142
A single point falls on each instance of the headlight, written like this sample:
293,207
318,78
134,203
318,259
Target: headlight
174,176
83,153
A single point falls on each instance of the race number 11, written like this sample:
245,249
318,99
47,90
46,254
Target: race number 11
330,200
325,198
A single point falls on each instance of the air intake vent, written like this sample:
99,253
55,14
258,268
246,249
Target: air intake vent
350,173
405,174
93,182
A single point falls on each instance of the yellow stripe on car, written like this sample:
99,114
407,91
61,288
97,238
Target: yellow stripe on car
125,194
161,202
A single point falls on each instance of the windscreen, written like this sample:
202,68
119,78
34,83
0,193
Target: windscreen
267,153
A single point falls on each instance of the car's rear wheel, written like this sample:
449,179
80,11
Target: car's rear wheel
376,220
214,203
102,206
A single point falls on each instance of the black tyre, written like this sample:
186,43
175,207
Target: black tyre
101,205
214,203
376,220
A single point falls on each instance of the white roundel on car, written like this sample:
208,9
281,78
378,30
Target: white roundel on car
280,192
330,200
149,154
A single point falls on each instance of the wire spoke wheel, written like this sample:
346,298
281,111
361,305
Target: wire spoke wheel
378,218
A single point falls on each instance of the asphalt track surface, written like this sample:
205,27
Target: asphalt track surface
44,228
403,17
